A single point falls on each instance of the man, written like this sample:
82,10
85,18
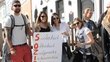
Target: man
17,41
104,36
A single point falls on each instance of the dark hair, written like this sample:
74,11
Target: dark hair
39,19
15,1
54,14
79,20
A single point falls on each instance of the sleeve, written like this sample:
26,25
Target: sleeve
7,22
66,26
87,30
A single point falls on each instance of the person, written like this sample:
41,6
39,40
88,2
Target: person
16,39
1,41
105,23
104,35
42,24
89,23
62,27
84,41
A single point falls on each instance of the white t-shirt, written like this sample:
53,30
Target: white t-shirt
18,35
81,35
63,28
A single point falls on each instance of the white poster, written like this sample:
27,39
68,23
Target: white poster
47,47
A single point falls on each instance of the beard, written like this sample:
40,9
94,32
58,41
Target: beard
17,11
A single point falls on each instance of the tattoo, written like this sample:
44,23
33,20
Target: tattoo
8,33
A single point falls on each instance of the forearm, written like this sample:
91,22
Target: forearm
90,39
10,44
29,31
8,37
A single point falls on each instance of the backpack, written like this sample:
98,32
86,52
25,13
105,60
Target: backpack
13,24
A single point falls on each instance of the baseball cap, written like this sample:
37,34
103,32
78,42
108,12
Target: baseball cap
15,1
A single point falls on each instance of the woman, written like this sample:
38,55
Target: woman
88,22
106,21
84,40
42,24
57,25
62,27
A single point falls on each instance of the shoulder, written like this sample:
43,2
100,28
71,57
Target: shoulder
92,22
7,22
7,19
86,30
63,24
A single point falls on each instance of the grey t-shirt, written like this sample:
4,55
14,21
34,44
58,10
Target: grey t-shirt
18,35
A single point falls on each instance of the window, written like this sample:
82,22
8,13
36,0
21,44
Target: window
60,7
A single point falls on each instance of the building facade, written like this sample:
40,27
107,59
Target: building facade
69,9
2,10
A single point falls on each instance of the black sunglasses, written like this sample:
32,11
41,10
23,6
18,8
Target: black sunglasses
42,16
17,5
77,23
55,18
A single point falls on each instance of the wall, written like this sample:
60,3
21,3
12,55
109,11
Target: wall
26,8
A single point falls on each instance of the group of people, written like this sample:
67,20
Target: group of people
86,35
16,35
17,31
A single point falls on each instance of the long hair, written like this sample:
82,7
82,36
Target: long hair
52,19
79,20
39,19
107,16
85,13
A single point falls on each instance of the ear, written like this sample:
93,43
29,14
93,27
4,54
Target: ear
11,7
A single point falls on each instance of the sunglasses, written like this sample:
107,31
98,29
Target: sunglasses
42,16
17,5
76,23
55,18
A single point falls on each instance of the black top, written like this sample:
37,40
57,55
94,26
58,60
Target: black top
45,29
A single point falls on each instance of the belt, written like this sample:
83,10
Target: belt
20,45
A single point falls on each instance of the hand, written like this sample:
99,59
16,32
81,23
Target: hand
12,51
31,33
31,47
80,44
65,33
38,28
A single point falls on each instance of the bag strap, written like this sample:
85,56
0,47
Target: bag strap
24,18
12,23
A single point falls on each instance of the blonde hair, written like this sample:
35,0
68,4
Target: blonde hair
86,10
107,16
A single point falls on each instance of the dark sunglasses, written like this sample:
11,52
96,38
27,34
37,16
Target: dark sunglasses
42,16
76,23
17,5
55,18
